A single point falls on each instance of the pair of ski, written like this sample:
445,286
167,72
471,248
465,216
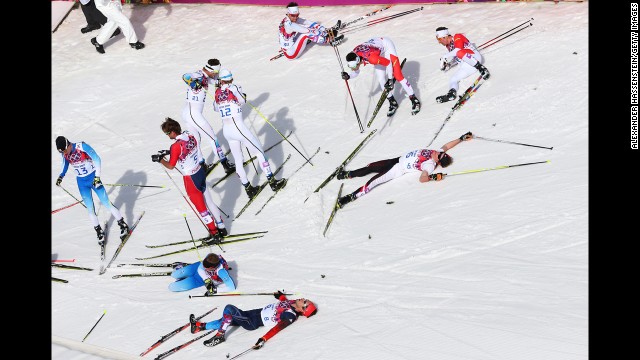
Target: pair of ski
261,187
383,97
246,162
70,267
165,337
461,101
204,244
104,268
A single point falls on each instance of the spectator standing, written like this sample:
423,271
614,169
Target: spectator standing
112,9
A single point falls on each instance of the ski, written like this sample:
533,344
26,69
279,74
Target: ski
104,242
236,294
179,347
383,97
164,338
163,273
201,246
251,159
298,169
59,280
103,268
171,265
70,267
206,238
261,187
379,20
461,101
333,212
213,166
335,172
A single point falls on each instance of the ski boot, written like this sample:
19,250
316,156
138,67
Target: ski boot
393,106
483,70
343,174
124,229
100,234
229,167
451,95
213,239
345,200
277,184
251,190
215,340
196,326
415,108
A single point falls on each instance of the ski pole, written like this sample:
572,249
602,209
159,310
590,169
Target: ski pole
64,260
278,131
194,242
184,197
497,41
154,186
488,41
346,82
252,160
349,23
70,194
105,311
377,21
511,142
496,168
65,207
244,352
234,294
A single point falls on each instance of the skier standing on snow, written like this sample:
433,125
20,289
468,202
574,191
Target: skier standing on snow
198,83
294,33
459,50
213,272
381,53
275,316
423,160
87,165
229,99
185,154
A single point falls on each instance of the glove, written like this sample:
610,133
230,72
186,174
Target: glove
389,85
467,136
278,294
259,343
211,289
443,64
196,84
59,181
345,76
96,182
437,176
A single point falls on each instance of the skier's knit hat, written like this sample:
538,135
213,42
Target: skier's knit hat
61,143
211,261
310,308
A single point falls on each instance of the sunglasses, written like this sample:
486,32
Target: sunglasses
167,132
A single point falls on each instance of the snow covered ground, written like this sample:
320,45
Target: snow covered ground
489,265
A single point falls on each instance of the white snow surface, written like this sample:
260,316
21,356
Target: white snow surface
488,265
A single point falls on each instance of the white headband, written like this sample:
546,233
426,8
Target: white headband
354,63
214,68
442,33
293,10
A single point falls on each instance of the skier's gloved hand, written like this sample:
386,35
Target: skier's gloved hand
467,136
259,343
443,64
277,294
389,85
345,76
437,176
211,288
59,181
96,182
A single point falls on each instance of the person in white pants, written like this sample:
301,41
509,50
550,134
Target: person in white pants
112,9
228,102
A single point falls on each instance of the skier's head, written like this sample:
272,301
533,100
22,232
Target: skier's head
171,128
443,36
211,261
62,143
225,76
305,306
212,67
293,11
444,159
353,61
